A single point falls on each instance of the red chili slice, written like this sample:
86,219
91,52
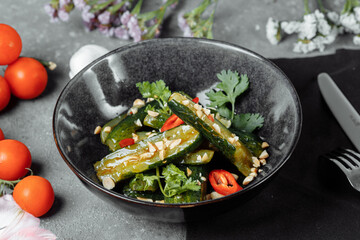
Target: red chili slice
126,142
223,182
211,118
174,121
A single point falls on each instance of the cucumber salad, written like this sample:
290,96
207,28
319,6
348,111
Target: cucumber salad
168,148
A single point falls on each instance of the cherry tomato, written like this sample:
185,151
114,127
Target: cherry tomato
2,137
10,44
5,93
15,159
223,182
27,78
34,195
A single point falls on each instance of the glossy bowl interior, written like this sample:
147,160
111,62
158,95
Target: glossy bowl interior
106,87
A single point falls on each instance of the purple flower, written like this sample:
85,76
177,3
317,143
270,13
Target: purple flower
86,15
52,12
106,30
63,3
63,15
134,29
104,18
122,33
125,18
79,4
184,26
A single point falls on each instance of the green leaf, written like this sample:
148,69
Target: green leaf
248,121
177,182
157,90
224,111
231,86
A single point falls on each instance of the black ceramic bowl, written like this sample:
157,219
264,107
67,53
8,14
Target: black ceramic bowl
106,87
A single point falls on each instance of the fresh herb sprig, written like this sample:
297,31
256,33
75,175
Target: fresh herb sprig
158,91
231,86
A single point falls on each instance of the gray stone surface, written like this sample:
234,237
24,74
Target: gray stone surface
77,213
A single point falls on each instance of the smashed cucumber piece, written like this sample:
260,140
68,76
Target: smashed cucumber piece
155,151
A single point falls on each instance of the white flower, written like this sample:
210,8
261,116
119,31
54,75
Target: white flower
16,224
323,26
308,27
348,21
356,40
290,27
273,31
357,13
334,17
301,47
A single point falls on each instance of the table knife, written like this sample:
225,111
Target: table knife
344,112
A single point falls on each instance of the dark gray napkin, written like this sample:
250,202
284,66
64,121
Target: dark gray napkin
310,198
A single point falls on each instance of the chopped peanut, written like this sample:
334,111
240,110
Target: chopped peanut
107,129
265,145
108,183
264,154
152,113
97,130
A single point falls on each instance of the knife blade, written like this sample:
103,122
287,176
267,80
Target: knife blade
344,112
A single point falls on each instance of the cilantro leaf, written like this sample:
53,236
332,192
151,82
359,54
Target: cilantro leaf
248,121
157,90
231,86
143,182
177,182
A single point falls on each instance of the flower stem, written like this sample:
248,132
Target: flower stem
321,6
306,7
160,185
48,64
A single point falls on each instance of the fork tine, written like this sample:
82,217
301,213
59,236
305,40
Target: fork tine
340,165
352,156
356,155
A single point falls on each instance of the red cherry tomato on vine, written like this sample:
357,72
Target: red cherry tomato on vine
2,137
34,194
15,159
223,182
5,93
10,44
27,78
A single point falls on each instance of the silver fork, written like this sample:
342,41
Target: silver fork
349,162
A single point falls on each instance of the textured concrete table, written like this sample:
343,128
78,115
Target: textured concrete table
77,213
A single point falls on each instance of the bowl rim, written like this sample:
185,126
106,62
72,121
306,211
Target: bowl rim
216,43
